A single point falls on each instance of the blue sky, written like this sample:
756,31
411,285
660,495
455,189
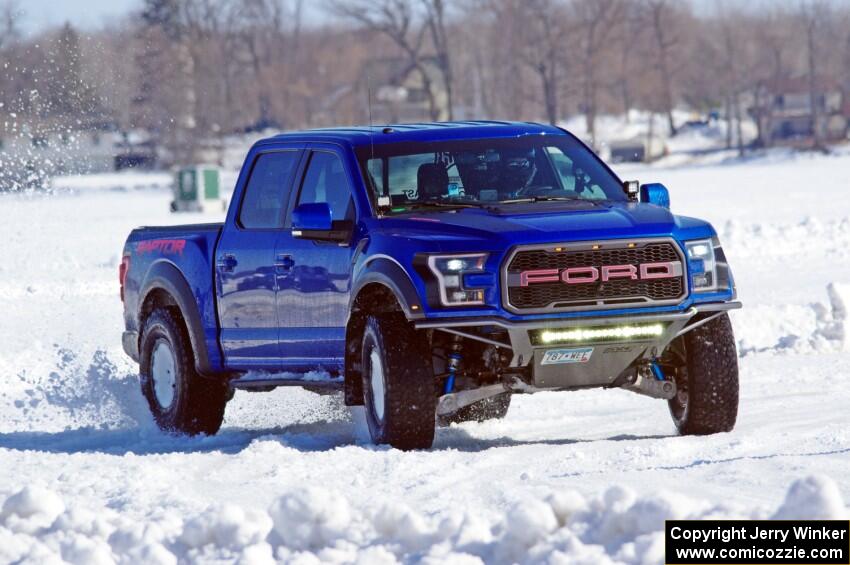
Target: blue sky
82,13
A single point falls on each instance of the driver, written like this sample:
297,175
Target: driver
517,168
432,181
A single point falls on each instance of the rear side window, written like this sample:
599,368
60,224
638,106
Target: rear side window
267,191
326,181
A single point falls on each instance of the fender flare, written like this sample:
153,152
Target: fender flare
163,275
386,271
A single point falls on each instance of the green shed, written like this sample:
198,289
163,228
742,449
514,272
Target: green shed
197,189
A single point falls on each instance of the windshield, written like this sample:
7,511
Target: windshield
485,172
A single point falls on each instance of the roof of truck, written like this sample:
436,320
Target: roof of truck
426,131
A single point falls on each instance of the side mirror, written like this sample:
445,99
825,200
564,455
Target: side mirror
315,221
655,193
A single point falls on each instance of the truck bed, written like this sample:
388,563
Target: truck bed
181,259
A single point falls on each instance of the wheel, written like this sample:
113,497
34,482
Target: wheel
398,384
180,400
704,363
493,408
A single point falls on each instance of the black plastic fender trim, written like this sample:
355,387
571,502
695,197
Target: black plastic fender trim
386,271
165,276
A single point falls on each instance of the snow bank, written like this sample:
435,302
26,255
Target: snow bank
812,498
31,509
815,328
316,525
796,257
834,321
790,241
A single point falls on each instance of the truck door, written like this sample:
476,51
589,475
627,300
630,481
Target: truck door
314,278
245,263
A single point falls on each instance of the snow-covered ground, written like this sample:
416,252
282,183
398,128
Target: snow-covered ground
585,477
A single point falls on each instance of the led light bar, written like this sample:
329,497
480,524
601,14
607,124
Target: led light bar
602,334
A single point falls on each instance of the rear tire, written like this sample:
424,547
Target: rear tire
493,408
707,380
180,400
398,383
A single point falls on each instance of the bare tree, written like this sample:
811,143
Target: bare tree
396,19
774,60
500,72
198,68
730,71
662,16
541,26
10,15
436,22
814,18
629,34
596,22
259,34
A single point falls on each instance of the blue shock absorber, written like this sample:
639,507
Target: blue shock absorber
454,362
656,370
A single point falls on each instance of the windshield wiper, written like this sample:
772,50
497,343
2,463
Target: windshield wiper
538,199
434,204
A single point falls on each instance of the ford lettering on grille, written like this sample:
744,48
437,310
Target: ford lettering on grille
585,276
588,275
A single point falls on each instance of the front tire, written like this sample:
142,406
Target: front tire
180,400
706,376
398,384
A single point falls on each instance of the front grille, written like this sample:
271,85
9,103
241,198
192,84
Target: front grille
612,293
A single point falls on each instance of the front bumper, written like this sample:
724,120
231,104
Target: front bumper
609,357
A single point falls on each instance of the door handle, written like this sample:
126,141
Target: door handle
284,262
227,262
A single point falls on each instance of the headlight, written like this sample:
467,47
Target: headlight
450,270
702,261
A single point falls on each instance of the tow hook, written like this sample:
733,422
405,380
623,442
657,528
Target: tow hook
648,379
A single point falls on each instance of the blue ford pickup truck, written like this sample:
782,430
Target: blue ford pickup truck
431,271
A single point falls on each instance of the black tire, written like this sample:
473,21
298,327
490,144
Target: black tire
706,379
197,404
404,414
493,408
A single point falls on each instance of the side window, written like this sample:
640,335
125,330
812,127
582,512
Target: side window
267,191
326,181
573,178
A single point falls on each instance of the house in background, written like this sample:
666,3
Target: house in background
398,90
785,114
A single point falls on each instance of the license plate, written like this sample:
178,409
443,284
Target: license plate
560,356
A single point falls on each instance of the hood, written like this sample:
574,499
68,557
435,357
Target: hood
545,222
